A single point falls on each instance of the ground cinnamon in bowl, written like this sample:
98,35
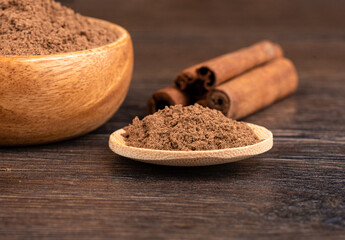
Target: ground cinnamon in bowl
189,128
42,27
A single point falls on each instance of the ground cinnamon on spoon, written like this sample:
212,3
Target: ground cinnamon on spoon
188,128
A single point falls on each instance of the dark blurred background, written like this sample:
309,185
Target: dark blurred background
312,34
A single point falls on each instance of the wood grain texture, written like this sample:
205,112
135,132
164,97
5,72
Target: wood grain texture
49,98
80,189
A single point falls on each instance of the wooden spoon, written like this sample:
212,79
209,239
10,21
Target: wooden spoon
192,158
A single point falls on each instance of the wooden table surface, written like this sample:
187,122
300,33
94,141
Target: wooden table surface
79,189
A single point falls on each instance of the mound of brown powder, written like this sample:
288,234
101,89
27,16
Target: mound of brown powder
40,27
187,129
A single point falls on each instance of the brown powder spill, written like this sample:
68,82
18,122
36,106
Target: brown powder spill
40,27
187,129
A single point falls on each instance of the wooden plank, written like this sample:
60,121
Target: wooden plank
80,189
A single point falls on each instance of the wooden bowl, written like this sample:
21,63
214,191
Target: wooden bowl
54,97
192,158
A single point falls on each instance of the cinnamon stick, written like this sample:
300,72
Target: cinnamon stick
202,102
167,97
255,89
215,71
186,78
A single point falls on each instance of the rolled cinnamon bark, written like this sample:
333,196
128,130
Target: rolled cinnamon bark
220,69
203,102
255,89
167,97
186,78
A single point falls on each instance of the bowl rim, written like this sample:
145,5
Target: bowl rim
120,40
